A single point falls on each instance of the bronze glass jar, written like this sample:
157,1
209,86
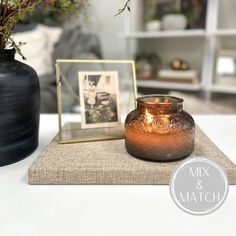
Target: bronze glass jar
159,129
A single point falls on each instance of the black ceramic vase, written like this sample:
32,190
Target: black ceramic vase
19,109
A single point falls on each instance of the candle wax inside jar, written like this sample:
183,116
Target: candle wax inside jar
159,129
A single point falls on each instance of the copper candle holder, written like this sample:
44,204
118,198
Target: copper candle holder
159,129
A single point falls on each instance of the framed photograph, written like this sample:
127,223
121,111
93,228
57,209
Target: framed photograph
225,67
94,97
99,95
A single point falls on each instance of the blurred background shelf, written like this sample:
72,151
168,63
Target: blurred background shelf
165,85
210,30
198,45
217,88
225,32
164,34
126,37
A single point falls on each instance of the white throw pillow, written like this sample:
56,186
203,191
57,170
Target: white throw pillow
39,47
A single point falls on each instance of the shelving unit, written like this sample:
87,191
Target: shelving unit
165,85
218,88
164,34
225,32
209,36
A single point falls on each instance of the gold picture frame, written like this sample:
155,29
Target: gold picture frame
71,131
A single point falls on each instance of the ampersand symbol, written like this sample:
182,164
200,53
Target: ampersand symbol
199,185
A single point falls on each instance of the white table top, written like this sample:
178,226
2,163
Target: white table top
108,210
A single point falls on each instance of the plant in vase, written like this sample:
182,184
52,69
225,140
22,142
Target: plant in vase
19,84
152,22
174,20
54,15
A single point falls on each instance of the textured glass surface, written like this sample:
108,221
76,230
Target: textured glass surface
159,129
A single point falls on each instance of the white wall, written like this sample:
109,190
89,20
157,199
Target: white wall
227,16
108,27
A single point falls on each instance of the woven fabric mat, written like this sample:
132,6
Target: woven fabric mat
107,162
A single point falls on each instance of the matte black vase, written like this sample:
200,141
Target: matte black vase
19,109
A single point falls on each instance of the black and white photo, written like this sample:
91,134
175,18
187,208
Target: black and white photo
99,99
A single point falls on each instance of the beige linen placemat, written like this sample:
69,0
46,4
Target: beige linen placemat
107,162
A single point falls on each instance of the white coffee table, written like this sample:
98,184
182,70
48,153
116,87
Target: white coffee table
109,210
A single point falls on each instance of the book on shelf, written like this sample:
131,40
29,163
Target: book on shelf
177,76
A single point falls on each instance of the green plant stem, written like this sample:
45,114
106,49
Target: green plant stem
3,13
126,6
13,11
